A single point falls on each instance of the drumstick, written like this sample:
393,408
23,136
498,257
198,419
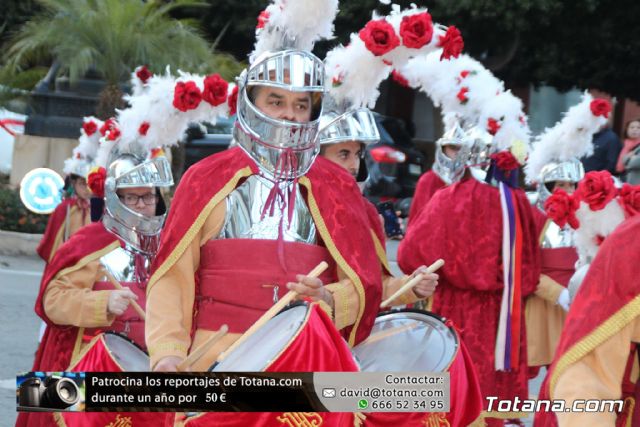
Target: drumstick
200,351
392,331
412,282
118,286
275,309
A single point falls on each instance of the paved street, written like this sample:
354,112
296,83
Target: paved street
19,280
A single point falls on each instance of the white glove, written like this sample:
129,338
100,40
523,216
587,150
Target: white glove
563,299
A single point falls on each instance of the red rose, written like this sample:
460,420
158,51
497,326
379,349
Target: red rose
493,126
561,208
143,74
379,37
416,30
78,156
233,101
451,43
144,128
89,127
505,161
215,90
95,181
399,78
462,95
600,107
464,73
597,189
106,126
629,199
113,133
186,96
263,18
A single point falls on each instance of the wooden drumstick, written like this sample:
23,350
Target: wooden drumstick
275,309
200,351
412,282
118,286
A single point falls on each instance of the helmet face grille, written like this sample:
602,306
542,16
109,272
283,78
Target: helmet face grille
354,125
293,70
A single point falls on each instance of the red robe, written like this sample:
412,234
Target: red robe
55,223
462,224
335,203
427,186
609,289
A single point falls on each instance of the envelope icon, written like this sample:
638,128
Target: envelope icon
328,392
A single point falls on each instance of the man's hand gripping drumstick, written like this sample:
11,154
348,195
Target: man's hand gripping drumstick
423,282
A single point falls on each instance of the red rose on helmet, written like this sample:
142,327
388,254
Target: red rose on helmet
215,90
186,96
416,30
379,37
462,95
629,199
233,101
600,107
143,74
106,126
90,127
144,128
493,126
399,78
505,161
113,133
263,18
451,43
561,208
95,181
597,189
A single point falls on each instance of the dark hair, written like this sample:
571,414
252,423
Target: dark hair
626,126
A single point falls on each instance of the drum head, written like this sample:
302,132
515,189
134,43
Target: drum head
407,340
261,348
126,353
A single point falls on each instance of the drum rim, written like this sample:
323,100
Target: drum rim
293,337
100,337
435,316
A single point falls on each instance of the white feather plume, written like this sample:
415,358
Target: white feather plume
85,152
571,137
595,224
295,24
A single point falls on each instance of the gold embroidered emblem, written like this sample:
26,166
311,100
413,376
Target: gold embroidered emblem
436,419
300,419
121,422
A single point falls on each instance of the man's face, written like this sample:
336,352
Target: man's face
346,154
142,200
282,104
451,151
567,186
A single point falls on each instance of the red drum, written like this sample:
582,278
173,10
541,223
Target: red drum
299,339
420,341
110,352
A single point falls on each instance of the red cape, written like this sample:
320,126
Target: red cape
462,224
56,221
427,186
88,244
334,201
608,300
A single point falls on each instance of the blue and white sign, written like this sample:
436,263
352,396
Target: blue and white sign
41,190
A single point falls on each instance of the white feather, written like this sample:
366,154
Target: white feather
593,224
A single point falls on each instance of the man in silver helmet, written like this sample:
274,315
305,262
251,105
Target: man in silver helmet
78,298
269,197
343,140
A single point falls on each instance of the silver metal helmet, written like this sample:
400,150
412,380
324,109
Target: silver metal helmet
452,170
126,171
482,148
570,171
353,125
281,148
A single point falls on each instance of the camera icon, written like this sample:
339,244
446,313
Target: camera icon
329,392
53,393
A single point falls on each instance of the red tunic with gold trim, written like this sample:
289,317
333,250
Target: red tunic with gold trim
427,186
232,273
67,217
462,224
600,326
